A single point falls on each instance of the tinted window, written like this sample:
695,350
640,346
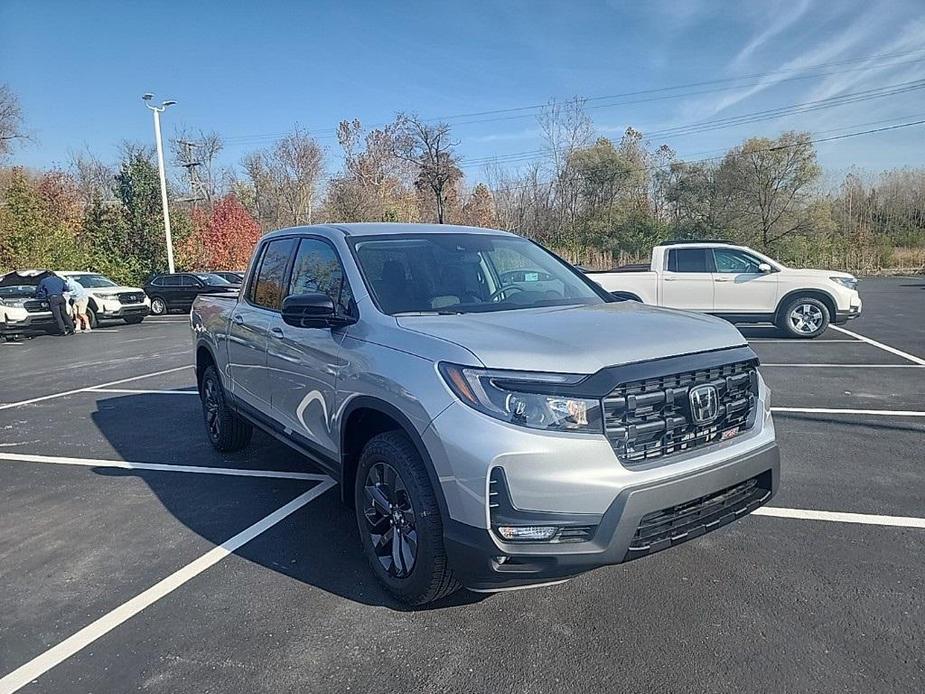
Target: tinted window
268,287
187,281
170,281
730,260
464,273
157,282
213,280
689,260
317,268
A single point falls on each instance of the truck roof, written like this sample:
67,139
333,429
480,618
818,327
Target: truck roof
391,228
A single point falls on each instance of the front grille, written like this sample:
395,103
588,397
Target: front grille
131,297
651,418
671,526
36,306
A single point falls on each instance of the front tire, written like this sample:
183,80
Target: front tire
226,429
134,320
91,316
805,318
158,306
399,521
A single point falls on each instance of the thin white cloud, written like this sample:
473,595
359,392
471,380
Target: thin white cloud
858,34
784,18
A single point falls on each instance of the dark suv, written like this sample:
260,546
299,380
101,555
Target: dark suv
180,289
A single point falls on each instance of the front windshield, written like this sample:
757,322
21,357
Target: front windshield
16,291
93,281
463,273
213,280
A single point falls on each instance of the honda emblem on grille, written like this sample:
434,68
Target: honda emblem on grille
704,404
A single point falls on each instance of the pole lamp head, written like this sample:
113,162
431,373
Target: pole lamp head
169,102
147,96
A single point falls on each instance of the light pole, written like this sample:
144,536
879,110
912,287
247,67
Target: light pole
157,110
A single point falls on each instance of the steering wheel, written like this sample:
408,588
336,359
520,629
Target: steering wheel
495,295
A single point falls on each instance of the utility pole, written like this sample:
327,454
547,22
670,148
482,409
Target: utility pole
158,110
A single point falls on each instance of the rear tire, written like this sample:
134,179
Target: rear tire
158,306
804,318
226,429
395,503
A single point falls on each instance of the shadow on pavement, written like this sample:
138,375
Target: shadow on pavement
317,545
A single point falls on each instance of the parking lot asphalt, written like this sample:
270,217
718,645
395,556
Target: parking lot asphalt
243,572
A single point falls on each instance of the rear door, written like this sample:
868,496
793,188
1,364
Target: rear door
250,323
739,286
189,289
303,363
170,290
687,281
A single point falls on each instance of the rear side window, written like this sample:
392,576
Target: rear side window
269,285
689,260
317,268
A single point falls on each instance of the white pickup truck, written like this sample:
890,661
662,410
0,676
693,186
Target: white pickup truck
739,284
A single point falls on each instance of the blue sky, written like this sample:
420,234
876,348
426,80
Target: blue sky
252,70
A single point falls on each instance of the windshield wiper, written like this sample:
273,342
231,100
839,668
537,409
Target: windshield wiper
428,313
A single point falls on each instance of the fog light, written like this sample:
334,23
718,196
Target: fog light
528,532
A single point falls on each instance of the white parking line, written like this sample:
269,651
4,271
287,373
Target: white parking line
38,666
839,517
129,390
848,366
886,348
802,343
163,467
101,385
833,410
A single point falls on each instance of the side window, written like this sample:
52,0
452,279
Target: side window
689,260
187,281
170,281
267,289
317,268
730,260
157,282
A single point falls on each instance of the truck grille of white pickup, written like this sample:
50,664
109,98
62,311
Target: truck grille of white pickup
651,418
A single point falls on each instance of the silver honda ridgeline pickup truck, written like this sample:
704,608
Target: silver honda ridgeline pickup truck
495,419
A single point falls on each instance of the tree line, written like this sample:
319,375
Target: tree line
595,200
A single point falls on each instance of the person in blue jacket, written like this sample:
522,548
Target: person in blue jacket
53,289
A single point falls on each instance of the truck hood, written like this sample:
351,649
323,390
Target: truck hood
577,339
813,274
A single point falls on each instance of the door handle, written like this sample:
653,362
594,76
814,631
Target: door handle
669,279
277,331
720,279
238,319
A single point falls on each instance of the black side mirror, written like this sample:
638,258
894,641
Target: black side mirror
315,310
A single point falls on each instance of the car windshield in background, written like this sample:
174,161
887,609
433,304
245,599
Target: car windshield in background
16,291
213,280
464,273
93,281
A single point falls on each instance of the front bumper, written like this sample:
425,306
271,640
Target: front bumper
847,315
110,310
482,562
23,323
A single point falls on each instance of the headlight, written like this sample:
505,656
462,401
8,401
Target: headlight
104,296
512,396
848,282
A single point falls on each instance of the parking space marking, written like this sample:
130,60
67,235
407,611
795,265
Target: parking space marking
762,340
848,366
892,350
833,410
839,517
41,664
152,392
163,467
100,385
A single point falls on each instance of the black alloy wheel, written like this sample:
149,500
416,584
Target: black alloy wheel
390,520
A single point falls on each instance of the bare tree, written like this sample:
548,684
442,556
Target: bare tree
284,180
11,121
93,177
431,150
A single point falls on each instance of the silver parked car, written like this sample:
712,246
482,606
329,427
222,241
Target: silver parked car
495,418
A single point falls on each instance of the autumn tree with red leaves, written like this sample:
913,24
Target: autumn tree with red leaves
222,239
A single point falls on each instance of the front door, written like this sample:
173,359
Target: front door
304,363
740,286
250,324
687,282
